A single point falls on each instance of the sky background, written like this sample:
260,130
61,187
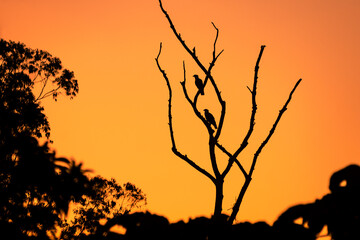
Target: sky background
118,124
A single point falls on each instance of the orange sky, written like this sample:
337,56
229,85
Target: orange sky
118,123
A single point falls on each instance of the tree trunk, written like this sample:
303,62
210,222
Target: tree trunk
218,198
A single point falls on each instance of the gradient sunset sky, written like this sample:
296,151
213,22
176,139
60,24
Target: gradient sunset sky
118,124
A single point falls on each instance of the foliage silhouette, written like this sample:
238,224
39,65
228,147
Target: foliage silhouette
36,187
338,210
104,200
24,71
208,120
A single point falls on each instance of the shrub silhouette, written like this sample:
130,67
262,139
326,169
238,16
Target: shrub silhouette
338,210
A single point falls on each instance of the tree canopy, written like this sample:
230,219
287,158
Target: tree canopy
26,77
104,201
36,186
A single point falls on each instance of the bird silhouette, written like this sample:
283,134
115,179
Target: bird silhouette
199,84
210,118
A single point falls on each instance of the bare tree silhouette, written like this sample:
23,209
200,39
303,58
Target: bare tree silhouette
218,176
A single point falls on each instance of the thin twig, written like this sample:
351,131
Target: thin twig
42,89
212,64
47,94
249,89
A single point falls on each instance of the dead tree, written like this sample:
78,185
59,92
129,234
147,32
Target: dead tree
218,176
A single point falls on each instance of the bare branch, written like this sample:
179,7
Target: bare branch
174,149
196,111
216,38
272,130
215,57
42,89
201,66
49,93
36,76
249,89
223,149
178,36
252,118
218,93
218,178
256,155
212,64
212,141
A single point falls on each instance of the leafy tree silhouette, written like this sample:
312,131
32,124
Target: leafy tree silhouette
218,176
104,201
36,186
24,71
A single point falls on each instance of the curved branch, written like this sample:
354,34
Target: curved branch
174,149
49,93
178,36
193,105
212,64
42,89
212,140
201,66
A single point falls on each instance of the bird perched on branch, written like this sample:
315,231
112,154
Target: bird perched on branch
199,84
210,118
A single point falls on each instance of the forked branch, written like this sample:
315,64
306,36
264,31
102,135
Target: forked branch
193,104
223,149
256,155
272,130
174,149
201,66
245,141
212,141
218,178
